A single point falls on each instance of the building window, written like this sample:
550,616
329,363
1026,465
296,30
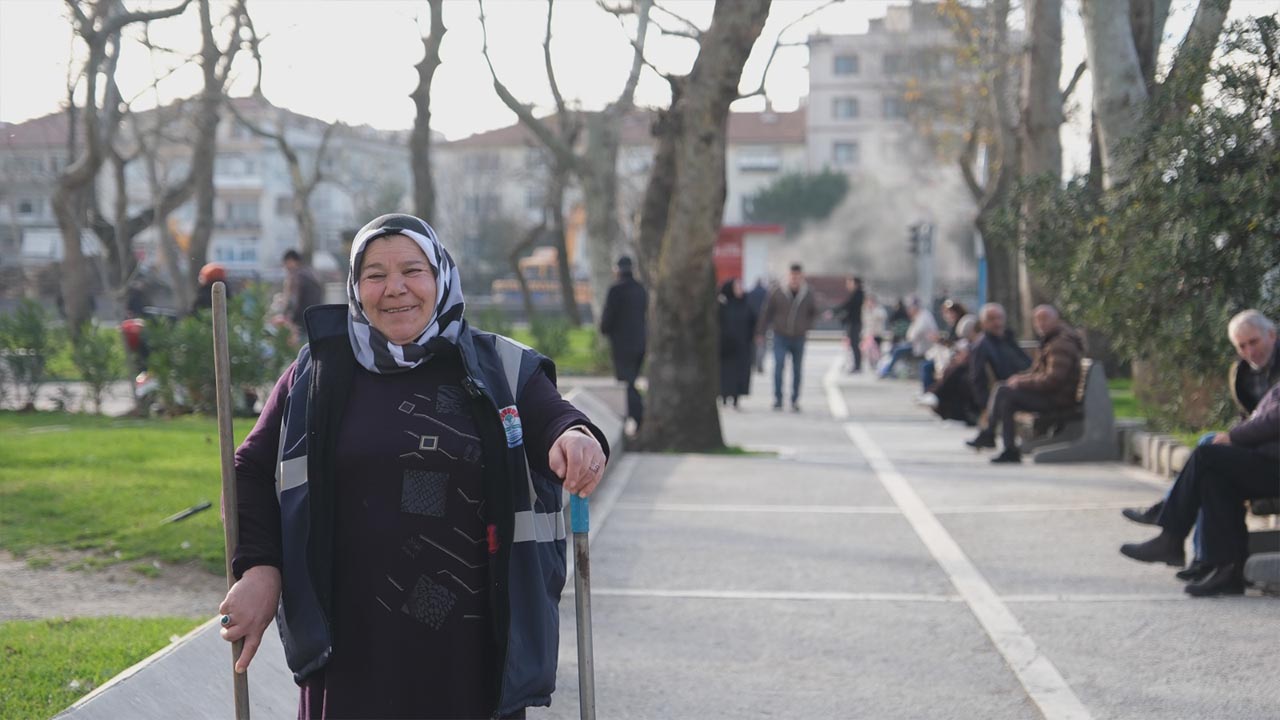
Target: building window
893,64
763,158
27,207
241,212
846,65
844,108
895,108
284,205
486,204
844,153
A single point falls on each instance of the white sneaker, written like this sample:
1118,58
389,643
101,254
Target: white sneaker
928,400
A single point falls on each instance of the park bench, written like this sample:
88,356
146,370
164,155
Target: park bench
1263,566
1082,433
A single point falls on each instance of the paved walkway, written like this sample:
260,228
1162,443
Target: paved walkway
876,568
864,565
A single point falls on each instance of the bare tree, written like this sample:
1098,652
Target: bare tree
596,165
424,190
215,68
683,373
1122,42
99,25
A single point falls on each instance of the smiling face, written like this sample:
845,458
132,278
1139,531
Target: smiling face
397,288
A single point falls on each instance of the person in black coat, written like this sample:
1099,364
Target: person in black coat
737,346
849,313
755,300
996,355
623,322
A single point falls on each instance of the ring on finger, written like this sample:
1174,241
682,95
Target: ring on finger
595,467
225,620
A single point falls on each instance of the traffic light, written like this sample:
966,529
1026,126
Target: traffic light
913,239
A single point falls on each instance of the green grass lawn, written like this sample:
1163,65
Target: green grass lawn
49,664
1127,406
80,482
580,358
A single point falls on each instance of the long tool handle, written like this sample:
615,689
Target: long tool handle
226,443
580,518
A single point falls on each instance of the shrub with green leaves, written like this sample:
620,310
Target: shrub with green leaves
26,344
182,352
550,335
493,320
1162,263
99,357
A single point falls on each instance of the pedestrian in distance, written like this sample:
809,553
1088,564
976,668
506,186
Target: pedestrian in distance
399,500
302,289
849,313
788,312
737,349
755,300
623,321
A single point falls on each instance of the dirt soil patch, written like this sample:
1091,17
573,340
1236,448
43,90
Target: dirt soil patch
48,590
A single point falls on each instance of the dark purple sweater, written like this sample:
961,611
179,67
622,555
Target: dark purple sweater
411,620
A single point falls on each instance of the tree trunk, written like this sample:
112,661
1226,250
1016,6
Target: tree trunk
555,207
1119,91
1041,143
683,361
657,193
424,191
206,147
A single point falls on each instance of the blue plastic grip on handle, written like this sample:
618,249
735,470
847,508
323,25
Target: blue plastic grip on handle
579,514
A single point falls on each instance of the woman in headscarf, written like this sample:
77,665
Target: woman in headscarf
399,500
737,347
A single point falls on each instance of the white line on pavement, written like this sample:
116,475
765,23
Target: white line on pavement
973,509
799,509
1042,681
835,398
1098,598
770,595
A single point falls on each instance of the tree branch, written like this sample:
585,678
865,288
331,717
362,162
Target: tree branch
1183,88
967,157
692,30
524,112
627,99
1075,79
778,43
551,72
117,23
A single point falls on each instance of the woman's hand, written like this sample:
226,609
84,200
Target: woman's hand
578,459
249,608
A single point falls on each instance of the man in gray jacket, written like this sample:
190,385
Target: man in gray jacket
789,312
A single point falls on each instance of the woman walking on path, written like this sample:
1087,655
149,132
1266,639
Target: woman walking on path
737,349
399,500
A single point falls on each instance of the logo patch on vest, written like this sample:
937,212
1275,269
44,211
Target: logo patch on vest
510,417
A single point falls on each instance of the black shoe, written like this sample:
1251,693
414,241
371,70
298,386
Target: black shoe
1144,516
1163,548
1194,572
777,404
1222,580
795,407
984,440
1010,455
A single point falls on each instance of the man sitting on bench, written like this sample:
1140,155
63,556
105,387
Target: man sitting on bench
995,356
1239,465
1050,384
1253,336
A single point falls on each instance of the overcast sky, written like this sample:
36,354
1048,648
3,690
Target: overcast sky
353,60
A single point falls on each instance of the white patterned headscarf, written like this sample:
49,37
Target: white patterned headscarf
373,350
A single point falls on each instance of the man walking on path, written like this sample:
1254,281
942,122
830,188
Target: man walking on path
789,312
302,289
623,321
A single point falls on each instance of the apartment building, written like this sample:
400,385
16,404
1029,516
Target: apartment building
365,170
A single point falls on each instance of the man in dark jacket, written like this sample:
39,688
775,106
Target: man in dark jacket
849,313
1050,384
996,356
1258,369
1243,464
302,289
623,321
789,312
1255,372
